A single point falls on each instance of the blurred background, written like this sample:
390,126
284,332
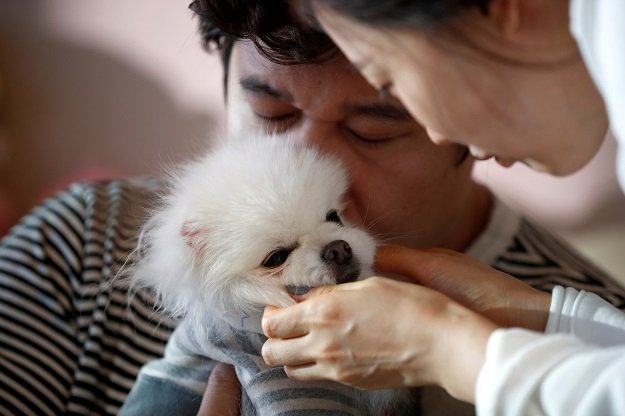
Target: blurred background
96,89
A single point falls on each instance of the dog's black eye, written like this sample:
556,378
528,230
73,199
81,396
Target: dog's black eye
276,258
333,216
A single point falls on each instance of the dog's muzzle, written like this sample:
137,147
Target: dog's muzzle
341,263
338,256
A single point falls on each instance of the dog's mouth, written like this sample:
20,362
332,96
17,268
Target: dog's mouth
349,276
298,290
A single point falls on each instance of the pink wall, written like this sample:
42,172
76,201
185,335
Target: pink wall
588,198
95,89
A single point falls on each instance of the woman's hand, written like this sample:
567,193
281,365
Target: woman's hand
501,298
379,333
222,396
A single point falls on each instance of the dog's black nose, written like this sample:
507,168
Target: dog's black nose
337,252
342,264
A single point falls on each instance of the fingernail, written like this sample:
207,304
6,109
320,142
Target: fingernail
264,355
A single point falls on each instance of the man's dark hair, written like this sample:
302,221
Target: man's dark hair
269,24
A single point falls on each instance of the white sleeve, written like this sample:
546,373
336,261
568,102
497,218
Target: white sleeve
597,25
528,373
587,316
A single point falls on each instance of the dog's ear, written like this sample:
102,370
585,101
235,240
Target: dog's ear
195,236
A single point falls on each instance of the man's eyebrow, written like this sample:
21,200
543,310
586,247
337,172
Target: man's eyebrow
388,111
257,86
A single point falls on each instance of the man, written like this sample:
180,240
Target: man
73,340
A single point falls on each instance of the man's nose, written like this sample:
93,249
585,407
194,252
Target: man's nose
322,135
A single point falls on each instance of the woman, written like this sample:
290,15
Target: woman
532,81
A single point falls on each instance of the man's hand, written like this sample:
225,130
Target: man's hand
223,393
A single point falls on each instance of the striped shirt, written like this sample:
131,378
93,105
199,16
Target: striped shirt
72,341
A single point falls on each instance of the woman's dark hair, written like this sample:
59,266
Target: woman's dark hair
414,13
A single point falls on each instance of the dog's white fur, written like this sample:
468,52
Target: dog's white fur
202,251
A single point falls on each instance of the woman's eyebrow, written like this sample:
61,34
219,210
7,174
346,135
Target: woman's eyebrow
387,111
257,86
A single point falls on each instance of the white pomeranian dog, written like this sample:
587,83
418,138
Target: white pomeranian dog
251,223
257,221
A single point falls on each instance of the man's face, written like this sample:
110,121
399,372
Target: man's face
404,189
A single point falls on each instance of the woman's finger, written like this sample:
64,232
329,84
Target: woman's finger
284,322
306,372
291,351
408,262
295,320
